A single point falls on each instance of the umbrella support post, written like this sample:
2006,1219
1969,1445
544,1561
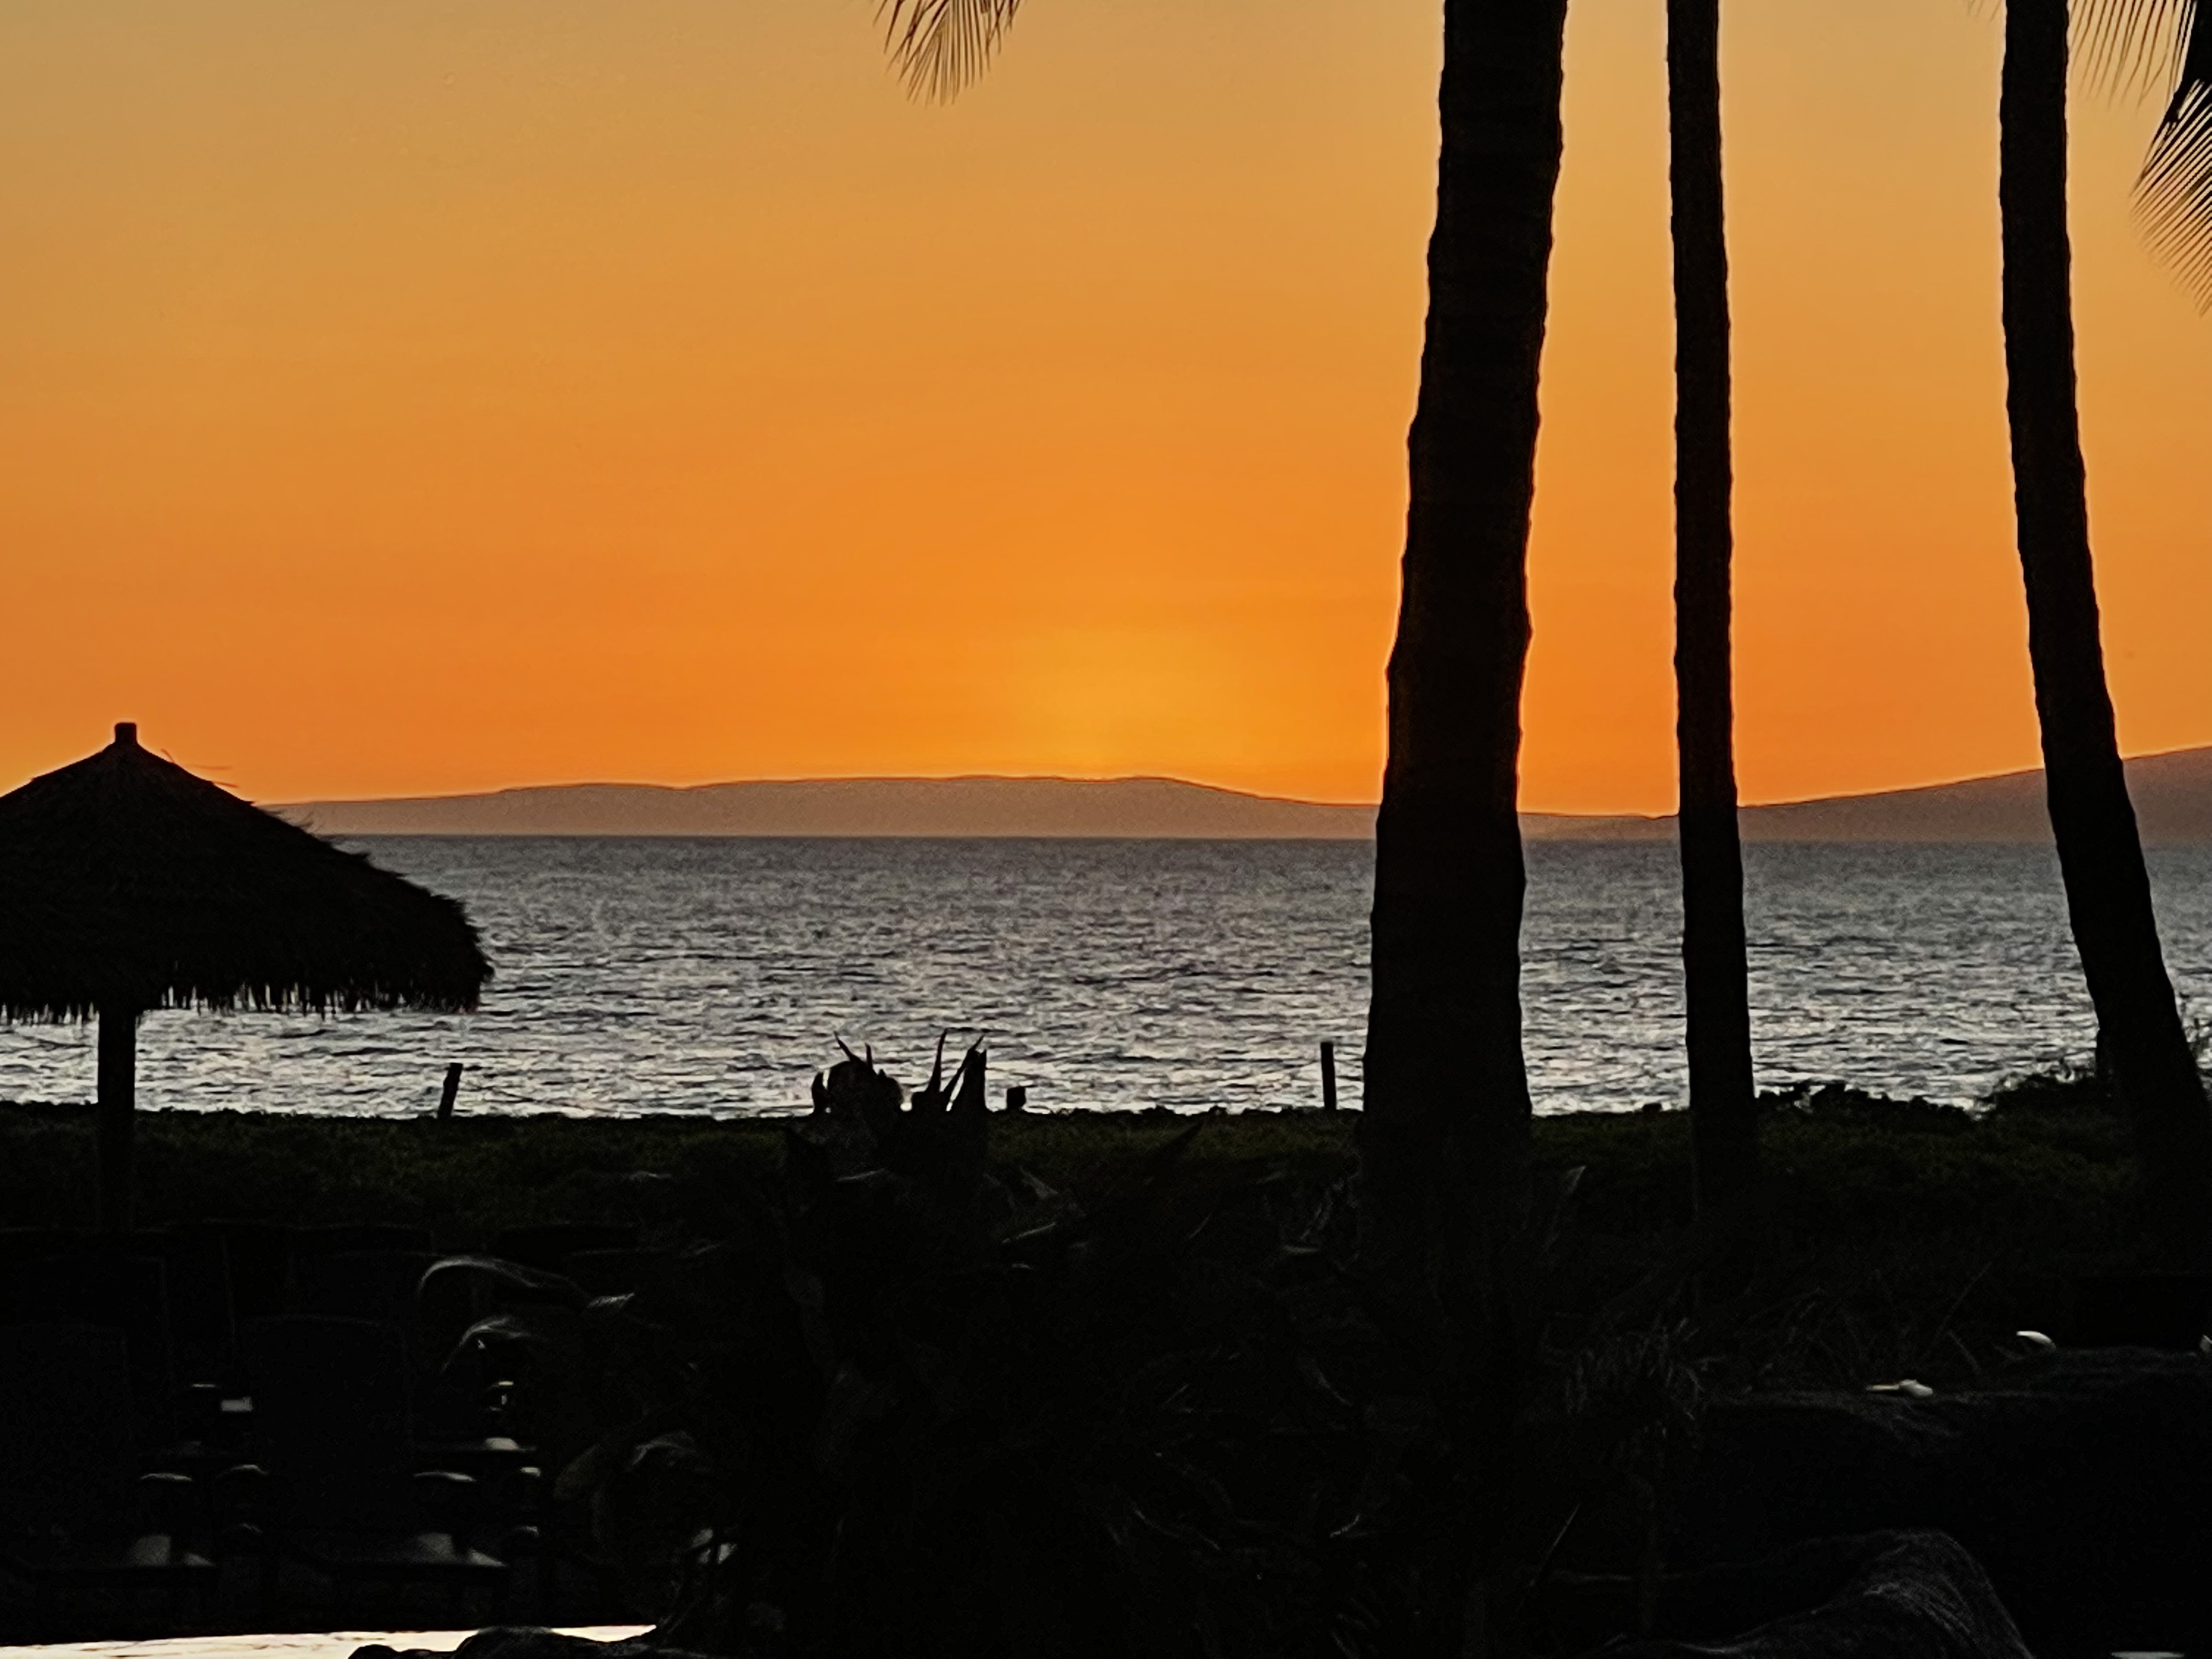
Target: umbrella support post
118,1101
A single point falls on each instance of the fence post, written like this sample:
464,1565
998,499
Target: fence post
446,1095
1327,1076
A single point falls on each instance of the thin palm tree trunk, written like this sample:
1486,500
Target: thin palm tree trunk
118,1085
1444,1131
2140,1035
1723,1106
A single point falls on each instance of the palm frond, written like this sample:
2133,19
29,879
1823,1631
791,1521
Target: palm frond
938,46
2174,196
2126,46
2127,43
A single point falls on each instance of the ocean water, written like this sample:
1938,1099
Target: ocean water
716,975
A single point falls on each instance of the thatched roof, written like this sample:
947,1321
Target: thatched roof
126,880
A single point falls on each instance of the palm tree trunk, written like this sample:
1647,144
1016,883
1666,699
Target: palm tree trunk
1723,1106
1444,1133
2140,1034
118,1087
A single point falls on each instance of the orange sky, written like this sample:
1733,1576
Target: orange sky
443,394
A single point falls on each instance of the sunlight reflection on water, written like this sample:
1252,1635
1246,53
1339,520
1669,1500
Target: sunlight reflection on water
649,975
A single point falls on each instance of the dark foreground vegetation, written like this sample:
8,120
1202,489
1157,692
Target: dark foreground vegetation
1903,1236
1922,1235
889,1381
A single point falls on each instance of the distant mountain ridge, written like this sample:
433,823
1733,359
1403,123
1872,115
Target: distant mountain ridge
2172,795
1133,807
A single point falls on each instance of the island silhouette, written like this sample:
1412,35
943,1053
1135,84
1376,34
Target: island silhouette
2172,795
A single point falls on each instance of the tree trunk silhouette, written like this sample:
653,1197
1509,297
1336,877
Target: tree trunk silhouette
2099,854
1724,1105
1443,1136
118,1088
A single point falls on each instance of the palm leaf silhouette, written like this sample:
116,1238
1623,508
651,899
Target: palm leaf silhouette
940,46
2125,41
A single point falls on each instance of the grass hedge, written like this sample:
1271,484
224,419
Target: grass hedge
1902,1237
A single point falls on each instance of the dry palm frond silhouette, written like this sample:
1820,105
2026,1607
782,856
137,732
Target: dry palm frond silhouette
2126,42
940,46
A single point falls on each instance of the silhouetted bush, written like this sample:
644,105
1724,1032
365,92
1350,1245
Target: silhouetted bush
921,1401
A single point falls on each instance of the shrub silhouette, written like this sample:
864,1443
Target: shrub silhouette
915,1404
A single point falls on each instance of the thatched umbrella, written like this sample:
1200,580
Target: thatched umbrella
126,885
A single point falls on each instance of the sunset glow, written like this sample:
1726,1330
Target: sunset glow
428,396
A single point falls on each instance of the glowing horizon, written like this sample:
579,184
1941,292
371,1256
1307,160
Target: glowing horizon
397,403
618,782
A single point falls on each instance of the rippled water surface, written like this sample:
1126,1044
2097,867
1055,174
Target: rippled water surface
649,976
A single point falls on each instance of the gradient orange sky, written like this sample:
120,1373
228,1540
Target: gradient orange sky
436,395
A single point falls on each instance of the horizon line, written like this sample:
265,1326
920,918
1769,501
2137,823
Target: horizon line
1151,777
